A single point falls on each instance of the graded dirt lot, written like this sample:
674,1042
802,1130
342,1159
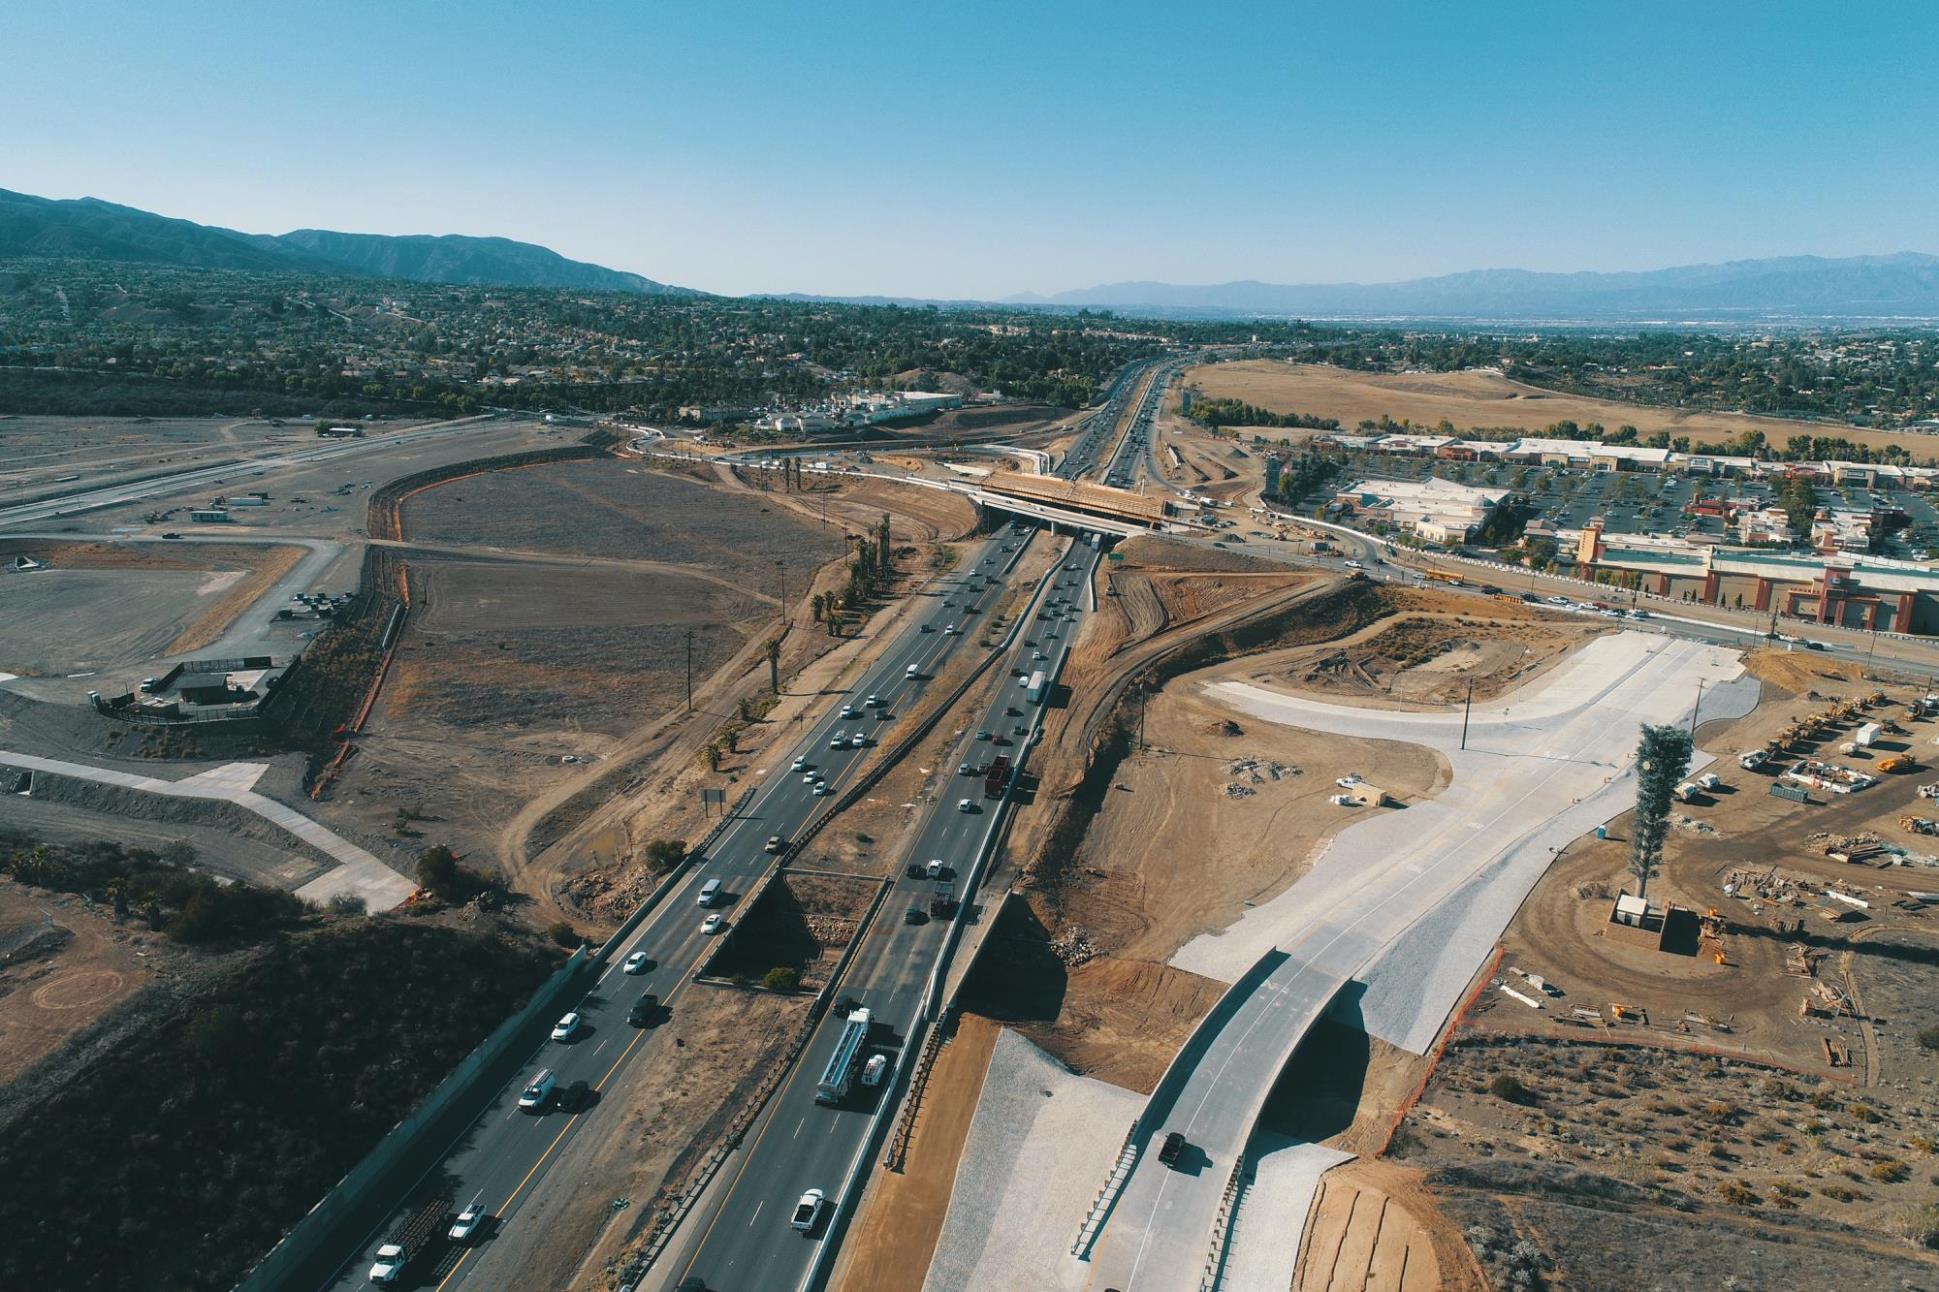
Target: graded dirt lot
1484,399
553,610
62,966
101,606
1373,1228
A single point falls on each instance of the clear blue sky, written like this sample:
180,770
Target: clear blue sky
983,149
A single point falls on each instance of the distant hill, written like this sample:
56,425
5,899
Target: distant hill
1905,285
88,228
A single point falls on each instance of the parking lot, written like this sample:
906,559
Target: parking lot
1647,502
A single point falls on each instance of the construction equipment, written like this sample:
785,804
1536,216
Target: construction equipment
1919,824
1901,762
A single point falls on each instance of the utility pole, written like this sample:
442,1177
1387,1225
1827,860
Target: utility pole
1693,712
689,670
1467,709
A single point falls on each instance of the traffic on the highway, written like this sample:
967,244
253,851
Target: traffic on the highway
503,1157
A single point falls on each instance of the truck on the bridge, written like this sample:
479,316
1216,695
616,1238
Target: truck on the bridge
1035,687
997,777
837,1077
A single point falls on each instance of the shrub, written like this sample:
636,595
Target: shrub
664,854
1509,1088
348,904
782,978
1929,1038
563,934
1890,1171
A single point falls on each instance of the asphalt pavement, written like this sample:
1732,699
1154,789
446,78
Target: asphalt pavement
747,1244
505,1155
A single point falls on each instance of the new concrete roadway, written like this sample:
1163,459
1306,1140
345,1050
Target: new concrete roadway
512,1161
1390,925
745,1242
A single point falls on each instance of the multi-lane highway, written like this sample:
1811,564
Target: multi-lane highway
746,1243
504,1156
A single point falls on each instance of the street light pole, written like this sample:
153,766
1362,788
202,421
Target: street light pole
1466,710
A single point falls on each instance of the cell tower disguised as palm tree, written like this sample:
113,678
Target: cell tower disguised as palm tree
1661,759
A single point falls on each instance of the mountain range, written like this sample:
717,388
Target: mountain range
1798,288
88,228
1905,285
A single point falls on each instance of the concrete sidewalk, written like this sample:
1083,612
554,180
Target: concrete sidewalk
357,872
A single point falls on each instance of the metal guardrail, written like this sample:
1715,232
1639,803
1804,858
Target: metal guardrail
1107,1197
1222,1228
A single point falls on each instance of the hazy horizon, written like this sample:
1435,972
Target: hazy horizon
880,151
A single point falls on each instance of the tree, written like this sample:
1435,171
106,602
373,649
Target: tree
818,603
563,934
1661,759
664,854
437,869
781,978
773,648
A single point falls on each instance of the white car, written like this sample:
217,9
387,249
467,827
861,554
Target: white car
966,805
810,778
808,1210
637,962
838,740
821,789
872,1070
800,764
467,1223
567,1028
857,741
713,924
1348,781
391,1260
949,630
850,711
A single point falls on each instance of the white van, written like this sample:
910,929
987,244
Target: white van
533,1098
911,671
710,892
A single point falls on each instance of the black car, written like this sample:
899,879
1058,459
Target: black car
643,1011
576,1098
914,870
914,915
1172,1149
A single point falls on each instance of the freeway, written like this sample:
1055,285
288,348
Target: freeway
504,1157
747,1244
114,495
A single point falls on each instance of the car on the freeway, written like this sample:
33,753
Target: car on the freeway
467,1224
927,628
808,1211
1172,1149
800,763
857,741
915,915
809,778
983,735
966,805
821,789
949,630
643,1011
576,1098
537,1091
713,923
838,740
171,534
638,962
391,1259
873,1070
568,1027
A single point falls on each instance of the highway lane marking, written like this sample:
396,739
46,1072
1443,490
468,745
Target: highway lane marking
797,1128
503,1213
757,1212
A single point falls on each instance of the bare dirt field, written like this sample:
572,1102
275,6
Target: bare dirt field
895,1233
1429,654
62,966
606,507
1480,399
101,606
552,608
802,921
